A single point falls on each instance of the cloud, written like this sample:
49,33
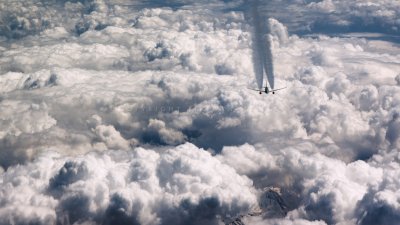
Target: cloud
334,17
283,222
324,187
115,114
177,185
378,205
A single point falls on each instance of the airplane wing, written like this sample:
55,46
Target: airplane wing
254,89
278,89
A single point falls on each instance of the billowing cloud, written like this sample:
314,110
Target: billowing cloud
140,113
182,185
335,17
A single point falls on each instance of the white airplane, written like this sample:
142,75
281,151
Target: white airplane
266,90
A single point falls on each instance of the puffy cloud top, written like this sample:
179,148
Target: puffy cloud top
180,185
125,112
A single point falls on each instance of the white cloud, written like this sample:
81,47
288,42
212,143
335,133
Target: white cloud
101,77
32,118
163,186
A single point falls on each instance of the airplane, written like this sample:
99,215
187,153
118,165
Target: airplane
266,90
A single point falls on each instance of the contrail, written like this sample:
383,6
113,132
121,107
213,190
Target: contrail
261,46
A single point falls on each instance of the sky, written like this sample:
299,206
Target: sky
141,113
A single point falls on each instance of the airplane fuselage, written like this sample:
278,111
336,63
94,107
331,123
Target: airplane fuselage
266,91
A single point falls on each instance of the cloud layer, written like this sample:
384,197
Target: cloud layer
336,17
183,185
115,113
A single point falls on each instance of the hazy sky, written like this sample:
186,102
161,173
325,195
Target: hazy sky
124,112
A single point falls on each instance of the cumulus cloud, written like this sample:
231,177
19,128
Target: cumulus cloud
125,113
182,185
335,17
